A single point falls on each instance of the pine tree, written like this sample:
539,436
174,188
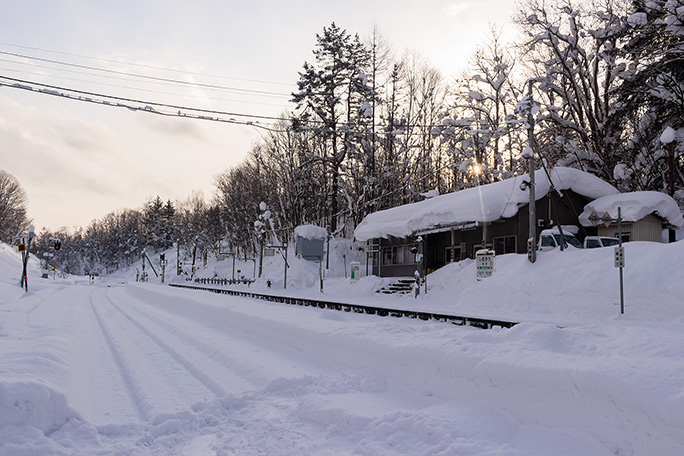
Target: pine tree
328,93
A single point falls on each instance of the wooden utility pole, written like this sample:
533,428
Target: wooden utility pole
532,236
672,235
668,139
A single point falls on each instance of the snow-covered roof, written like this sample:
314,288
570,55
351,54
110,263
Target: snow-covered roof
634,207
311,232
484,203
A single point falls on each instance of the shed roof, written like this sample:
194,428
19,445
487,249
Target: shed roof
311,232
635,206
484,203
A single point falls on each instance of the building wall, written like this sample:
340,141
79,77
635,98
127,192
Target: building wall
509,234
649,228
382,268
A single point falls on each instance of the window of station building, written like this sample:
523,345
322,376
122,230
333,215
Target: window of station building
397,254
505,244
452,254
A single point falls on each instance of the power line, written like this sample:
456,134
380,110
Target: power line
117,78
141,65
207,86
185,95
100,99
152,78
19,83
65,92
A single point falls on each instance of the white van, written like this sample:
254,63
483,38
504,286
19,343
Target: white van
593,242
551,239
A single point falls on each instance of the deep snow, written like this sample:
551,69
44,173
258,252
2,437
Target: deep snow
119,367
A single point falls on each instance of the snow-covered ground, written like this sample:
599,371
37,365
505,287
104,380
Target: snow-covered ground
124,368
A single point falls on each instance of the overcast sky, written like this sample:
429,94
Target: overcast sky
79,161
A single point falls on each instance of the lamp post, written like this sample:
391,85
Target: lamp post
527,107
477,170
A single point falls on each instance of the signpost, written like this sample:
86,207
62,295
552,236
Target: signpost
484,262
619,250
620,260
283,248
355,270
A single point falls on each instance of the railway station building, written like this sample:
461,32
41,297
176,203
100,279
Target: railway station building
451,227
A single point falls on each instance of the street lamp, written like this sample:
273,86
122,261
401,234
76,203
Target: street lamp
476,169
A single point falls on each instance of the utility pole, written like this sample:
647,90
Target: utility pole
668,139
260,228
672,235
532,236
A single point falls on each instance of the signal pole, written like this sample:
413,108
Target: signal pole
24,249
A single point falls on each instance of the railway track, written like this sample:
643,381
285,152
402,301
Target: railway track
482,323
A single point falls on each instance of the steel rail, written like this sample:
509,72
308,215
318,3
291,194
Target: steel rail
482,323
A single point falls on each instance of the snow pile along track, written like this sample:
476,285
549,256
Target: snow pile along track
358,308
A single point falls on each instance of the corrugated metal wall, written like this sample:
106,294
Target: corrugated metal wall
648,228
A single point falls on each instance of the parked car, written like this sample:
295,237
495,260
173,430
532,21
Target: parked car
593,242
550,239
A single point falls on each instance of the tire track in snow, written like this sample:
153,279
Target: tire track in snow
201,376
233,362
121,366
162,387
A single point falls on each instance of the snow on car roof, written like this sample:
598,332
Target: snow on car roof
484,203
635,206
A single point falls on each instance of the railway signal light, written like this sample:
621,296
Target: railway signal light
58,244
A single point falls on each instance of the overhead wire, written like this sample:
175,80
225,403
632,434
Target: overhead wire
27,85
146,106
109,73
184,95
142,65
152,78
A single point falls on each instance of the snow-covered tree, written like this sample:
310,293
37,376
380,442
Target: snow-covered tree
480,127
573,48
330,94
159,225
651,97
13,214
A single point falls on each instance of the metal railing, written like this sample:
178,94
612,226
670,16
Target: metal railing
483,323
